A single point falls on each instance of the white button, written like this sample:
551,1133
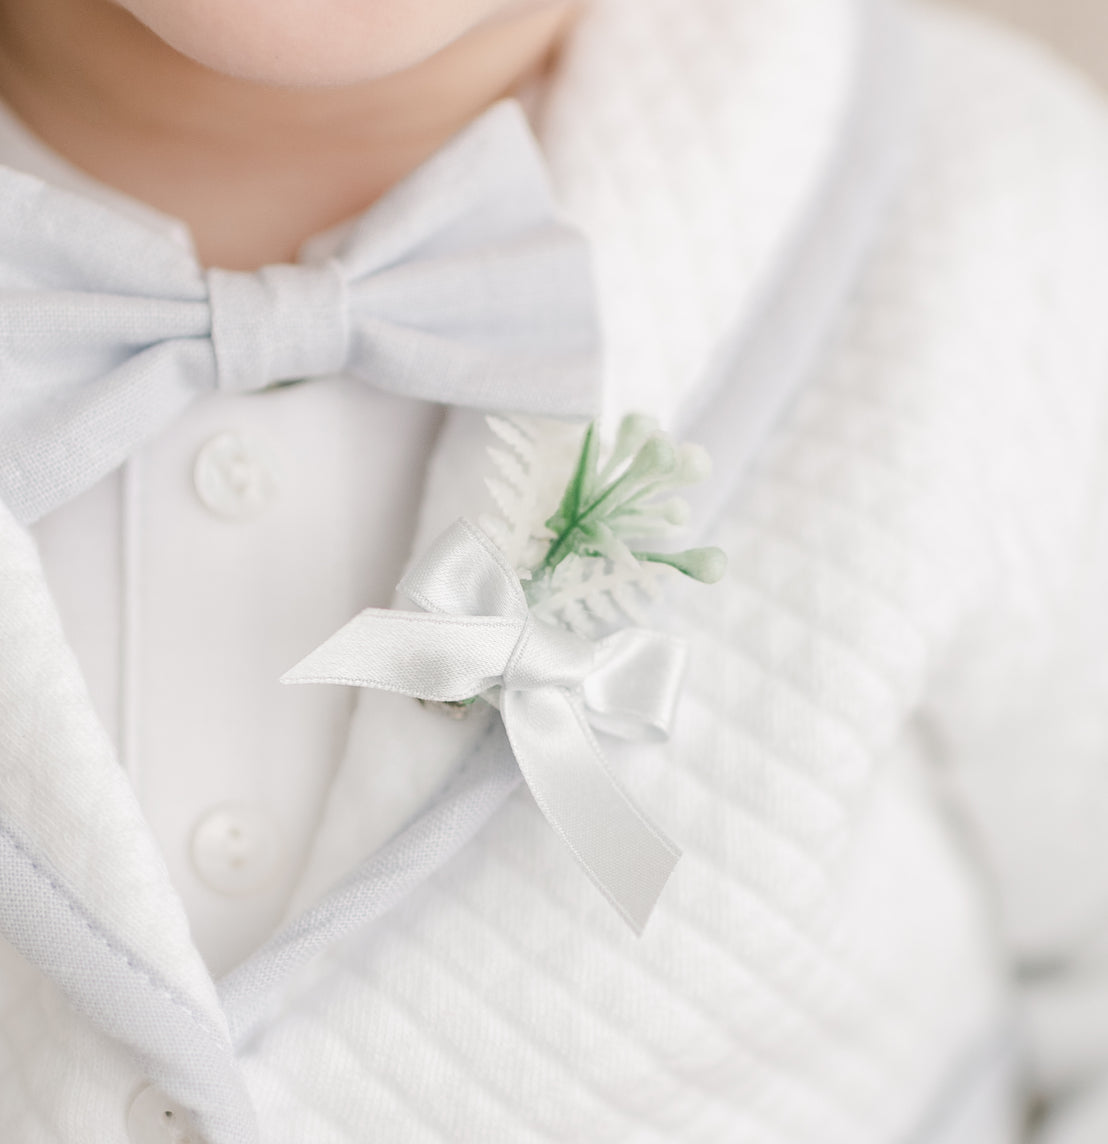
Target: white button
234,475
236,849
155,1119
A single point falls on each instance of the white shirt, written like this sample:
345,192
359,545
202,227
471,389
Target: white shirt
223,552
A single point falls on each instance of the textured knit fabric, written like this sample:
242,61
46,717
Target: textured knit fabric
888,773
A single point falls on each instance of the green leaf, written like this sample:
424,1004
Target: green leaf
579,487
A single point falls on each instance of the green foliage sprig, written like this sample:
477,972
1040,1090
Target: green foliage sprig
607,508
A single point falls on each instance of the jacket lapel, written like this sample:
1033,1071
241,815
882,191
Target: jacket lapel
84,893
690,205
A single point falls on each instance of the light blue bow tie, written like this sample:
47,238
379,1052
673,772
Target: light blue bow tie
460,285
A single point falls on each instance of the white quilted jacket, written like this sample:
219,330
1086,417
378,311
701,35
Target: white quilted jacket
889,239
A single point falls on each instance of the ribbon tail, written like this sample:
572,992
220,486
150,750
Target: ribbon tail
414,653
627,857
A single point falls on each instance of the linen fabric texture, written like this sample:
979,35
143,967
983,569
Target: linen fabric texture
887,773
460,283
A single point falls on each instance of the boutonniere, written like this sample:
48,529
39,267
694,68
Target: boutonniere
540,613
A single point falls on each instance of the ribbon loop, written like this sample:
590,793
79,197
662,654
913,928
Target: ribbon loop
477,636
632,692
464,573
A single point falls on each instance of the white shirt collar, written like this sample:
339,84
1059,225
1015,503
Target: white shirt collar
22,149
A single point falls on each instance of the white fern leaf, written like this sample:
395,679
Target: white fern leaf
629,602
513,434
512,490
575,617
532,459
603,607
584,593
506,500
510,468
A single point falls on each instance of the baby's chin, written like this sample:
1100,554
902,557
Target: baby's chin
314,42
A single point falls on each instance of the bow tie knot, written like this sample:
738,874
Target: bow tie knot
280,323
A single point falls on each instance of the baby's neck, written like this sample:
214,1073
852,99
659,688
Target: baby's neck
253,170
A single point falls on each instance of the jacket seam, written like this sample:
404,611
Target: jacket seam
65,896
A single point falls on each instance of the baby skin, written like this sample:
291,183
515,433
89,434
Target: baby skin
262,122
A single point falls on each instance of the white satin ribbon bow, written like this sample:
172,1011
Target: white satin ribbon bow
477,634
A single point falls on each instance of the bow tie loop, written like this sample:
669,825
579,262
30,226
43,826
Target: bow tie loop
280,323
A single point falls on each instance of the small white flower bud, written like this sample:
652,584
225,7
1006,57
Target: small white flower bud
704,564
674,511
633,431
656,458
694,465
